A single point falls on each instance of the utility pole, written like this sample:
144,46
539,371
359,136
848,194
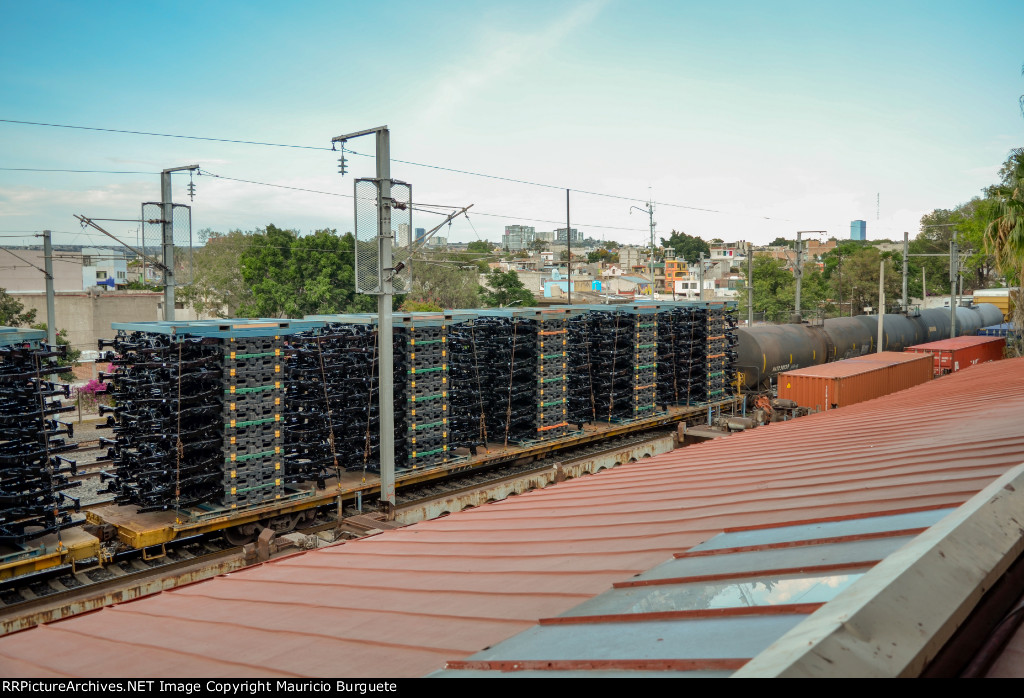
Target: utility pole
798,273
924,287
385,369
649,210
954,259
700,278
568,242
51,320
906,260
750,284
167,237
881,306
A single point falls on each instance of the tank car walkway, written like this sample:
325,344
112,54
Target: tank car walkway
408,601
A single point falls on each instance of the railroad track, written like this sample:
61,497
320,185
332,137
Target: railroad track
63,591
52,595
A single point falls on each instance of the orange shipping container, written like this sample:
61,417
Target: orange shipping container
848,382
958,353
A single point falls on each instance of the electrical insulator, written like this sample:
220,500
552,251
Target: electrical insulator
341,164
191,191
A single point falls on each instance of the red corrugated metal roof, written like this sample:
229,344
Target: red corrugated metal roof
404,602
955,343
856,365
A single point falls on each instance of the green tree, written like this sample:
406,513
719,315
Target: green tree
538,245
1004,235
774,289
481,246
72,356
292,276
140,285
506,289
415,306
12,311
686,246
857,280
968,221
218,287
782,242
602,255
445,283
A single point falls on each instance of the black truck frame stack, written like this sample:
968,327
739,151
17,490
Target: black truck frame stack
721,350
467,397
553,372
683,353
33,476
508,374
254,387
165,389
613,363
200,413
332,399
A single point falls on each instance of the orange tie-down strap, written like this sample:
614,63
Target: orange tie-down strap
553,426
553,332
715,356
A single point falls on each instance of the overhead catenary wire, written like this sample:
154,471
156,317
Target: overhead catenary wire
412,163
327,193
69,171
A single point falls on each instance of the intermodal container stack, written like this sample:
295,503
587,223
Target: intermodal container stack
848,382
957,353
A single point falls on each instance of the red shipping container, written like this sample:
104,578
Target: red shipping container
957,353
848,382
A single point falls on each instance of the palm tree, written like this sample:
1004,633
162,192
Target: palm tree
1004,235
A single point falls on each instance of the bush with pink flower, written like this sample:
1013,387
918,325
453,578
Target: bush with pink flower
93,394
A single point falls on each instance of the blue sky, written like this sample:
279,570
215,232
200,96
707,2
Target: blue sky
778,116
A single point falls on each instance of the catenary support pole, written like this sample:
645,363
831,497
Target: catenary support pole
700,278
906,262
386,403
384,291
650,218
798,271
750,287
954,258
881,306
167,243
167,237
568,242
51,320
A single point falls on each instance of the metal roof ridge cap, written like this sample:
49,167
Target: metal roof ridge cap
687,614
805,570
801,543
836,518
961,557
513,665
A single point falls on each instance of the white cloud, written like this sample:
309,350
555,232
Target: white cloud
500,54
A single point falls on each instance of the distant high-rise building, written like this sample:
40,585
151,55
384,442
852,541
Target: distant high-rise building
560,236
420,233
858,230
518,237
403,239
